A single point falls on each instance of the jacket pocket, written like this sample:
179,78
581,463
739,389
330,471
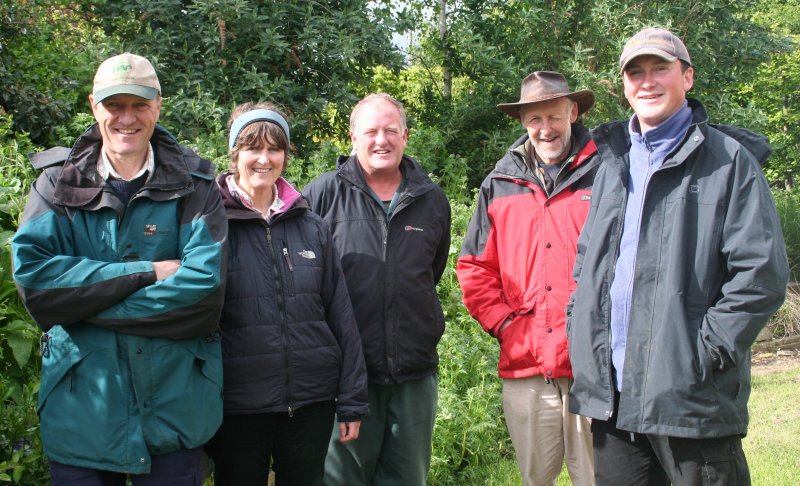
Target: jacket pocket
59,369
516,343
188,404
723,381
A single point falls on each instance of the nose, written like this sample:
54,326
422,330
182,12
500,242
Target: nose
127,116
649,78
263,156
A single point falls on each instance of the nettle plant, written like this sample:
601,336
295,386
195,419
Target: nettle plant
21,457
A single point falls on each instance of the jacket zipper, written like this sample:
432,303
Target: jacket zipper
289,265
610,411
282,307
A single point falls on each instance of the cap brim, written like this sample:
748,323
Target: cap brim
584,99
644,52
131,89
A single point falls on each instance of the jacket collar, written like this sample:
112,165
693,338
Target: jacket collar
512,165
613,140
79,184
234,209
416,181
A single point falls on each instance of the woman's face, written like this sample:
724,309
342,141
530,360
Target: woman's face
260,168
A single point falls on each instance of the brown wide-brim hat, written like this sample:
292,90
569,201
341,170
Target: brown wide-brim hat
544,86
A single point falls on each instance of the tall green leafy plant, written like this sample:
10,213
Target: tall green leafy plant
21,457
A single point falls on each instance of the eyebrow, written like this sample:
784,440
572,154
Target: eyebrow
634,64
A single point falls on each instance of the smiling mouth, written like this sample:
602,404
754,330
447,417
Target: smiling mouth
262,171
126,131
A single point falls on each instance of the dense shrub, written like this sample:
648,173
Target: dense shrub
788,204
21,458
470,434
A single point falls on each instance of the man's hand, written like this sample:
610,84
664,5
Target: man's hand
348,431
166,268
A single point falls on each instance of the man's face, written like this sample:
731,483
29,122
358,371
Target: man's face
126,124
549,127
655,88
379,138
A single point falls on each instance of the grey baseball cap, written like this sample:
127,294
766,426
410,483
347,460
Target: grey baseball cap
657,42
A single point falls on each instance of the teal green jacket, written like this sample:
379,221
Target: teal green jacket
131,366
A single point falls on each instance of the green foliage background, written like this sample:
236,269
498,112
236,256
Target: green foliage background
316,58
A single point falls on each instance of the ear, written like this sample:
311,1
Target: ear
688,79
352,137
158,107
573,116
93,106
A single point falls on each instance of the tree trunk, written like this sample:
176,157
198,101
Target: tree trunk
447,89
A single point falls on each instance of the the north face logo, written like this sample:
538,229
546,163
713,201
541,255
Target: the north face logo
412,228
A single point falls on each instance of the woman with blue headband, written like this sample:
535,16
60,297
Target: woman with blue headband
292,355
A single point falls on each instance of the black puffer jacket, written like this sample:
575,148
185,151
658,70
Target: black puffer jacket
392,266
289,337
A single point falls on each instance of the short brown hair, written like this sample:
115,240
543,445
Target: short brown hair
257,135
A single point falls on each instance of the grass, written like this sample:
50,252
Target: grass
772,446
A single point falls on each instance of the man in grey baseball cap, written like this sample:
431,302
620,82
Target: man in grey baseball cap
680,264
119,260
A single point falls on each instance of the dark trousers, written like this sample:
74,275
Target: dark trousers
181,468
623,458
297,444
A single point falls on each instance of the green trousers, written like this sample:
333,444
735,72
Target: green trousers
394,443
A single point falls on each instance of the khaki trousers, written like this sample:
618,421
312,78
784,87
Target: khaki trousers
545,434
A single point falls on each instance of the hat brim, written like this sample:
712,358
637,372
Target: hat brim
652,51
584,99
131,89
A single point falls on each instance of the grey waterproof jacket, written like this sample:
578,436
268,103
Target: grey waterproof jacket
710,270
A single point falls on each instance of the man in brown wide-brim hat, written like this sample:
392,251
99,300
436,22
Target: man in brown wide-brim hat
515,271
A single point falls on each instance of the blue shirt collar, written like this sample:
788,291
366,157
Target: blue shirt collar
667,134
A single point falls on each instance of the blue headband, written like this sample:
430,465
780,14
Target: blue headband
255,116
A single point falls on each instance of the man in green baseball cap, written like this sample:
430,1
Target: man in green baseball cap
119,260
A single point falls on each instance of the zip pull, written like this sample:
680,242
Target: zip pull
288,260
291,412
44,345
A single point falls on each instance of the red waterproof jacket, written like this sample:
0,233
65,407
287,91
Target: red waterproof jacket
517,257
